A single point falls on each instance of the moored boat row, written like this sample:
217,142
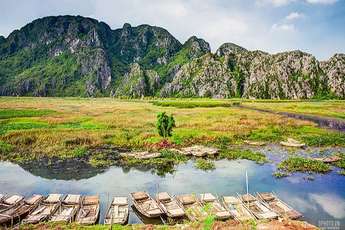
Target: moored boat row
86,209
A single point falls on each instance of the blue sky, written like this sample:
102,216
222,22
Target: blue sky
314,26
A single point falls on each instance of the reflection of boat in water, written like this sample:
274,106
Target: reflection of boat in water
15,213
67,210
237,209
278,205
257,208
146,205
44,210
89,210
169,205
118,211
192,207
216,208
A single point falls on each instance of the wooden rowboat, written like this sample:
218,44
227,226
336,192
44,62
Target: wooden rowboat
68,209
216,207
169,205
10,202
292,143
237,209
89,210
257,208
118,211
17,212
192,207
278,205
44,210
147,206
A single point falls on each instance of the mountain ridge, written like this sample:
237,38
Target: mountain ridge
79,56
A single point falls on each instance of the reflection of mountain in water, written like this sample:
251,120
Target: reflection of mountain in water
68,169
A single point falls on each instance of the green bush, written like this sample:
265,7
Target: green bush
165,124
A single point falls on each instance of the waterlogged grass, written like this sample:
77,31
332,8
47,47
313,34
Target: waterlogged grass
234,154
204,164
68,123
299,164
5,148
12,113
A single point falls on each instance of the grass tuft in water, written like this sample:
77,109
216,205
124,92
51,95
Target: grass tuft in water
300,164
233,154
204,164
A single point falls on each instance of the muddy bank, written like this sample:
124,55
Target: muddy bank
330,123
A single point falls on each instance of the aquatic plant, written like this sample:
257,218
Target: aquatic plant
204,164
233,154
165,124
279,174
208,222
300,164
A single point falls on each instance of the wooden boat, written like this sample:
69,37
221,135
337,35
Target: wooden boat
237,209
1,197
278,205
44,210
68,209
10,202
292,143
118,211
15,213
216,208
147,206
169,205
257,208
89,210
192,207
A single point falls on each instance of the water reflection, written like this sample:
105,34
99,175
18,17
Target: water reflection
322,198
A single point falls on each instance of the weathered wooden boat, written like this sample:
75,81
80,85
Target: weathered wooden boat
237,209
192,207
292,143
278,205
147,206
216,208
169,205
118,211
12,215
1,197
9,202
89,210
44,210
257,208
68,209
330,159
200,151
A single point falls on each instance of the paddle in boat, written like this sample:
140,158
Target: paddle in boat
44,210
237,209
14,214
10,202
89,210
278,205
215,207
68,209
169,205
118,211
192,207
147,206
257,208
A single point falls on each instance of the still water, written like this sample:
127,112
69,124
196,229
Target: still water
320,200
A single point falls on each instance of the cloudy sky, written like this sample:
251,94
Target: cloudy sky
314,26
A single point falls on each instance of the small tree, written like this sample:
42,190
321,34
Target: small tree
165,124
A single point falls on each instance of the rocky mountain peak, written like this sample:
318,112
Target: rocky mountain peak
229,48
196,47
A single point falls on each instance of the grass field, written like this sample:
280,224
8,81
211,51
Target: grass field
67,127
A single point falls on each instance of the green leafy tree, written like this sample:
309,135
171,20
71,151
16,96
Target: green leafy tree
165,124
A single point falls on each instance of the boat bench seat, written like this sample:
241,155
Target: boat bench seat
120,201
13,199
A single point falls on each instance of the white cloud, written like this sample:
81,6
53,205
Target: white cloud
294,15
325,2
332,204
278,3
286,27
